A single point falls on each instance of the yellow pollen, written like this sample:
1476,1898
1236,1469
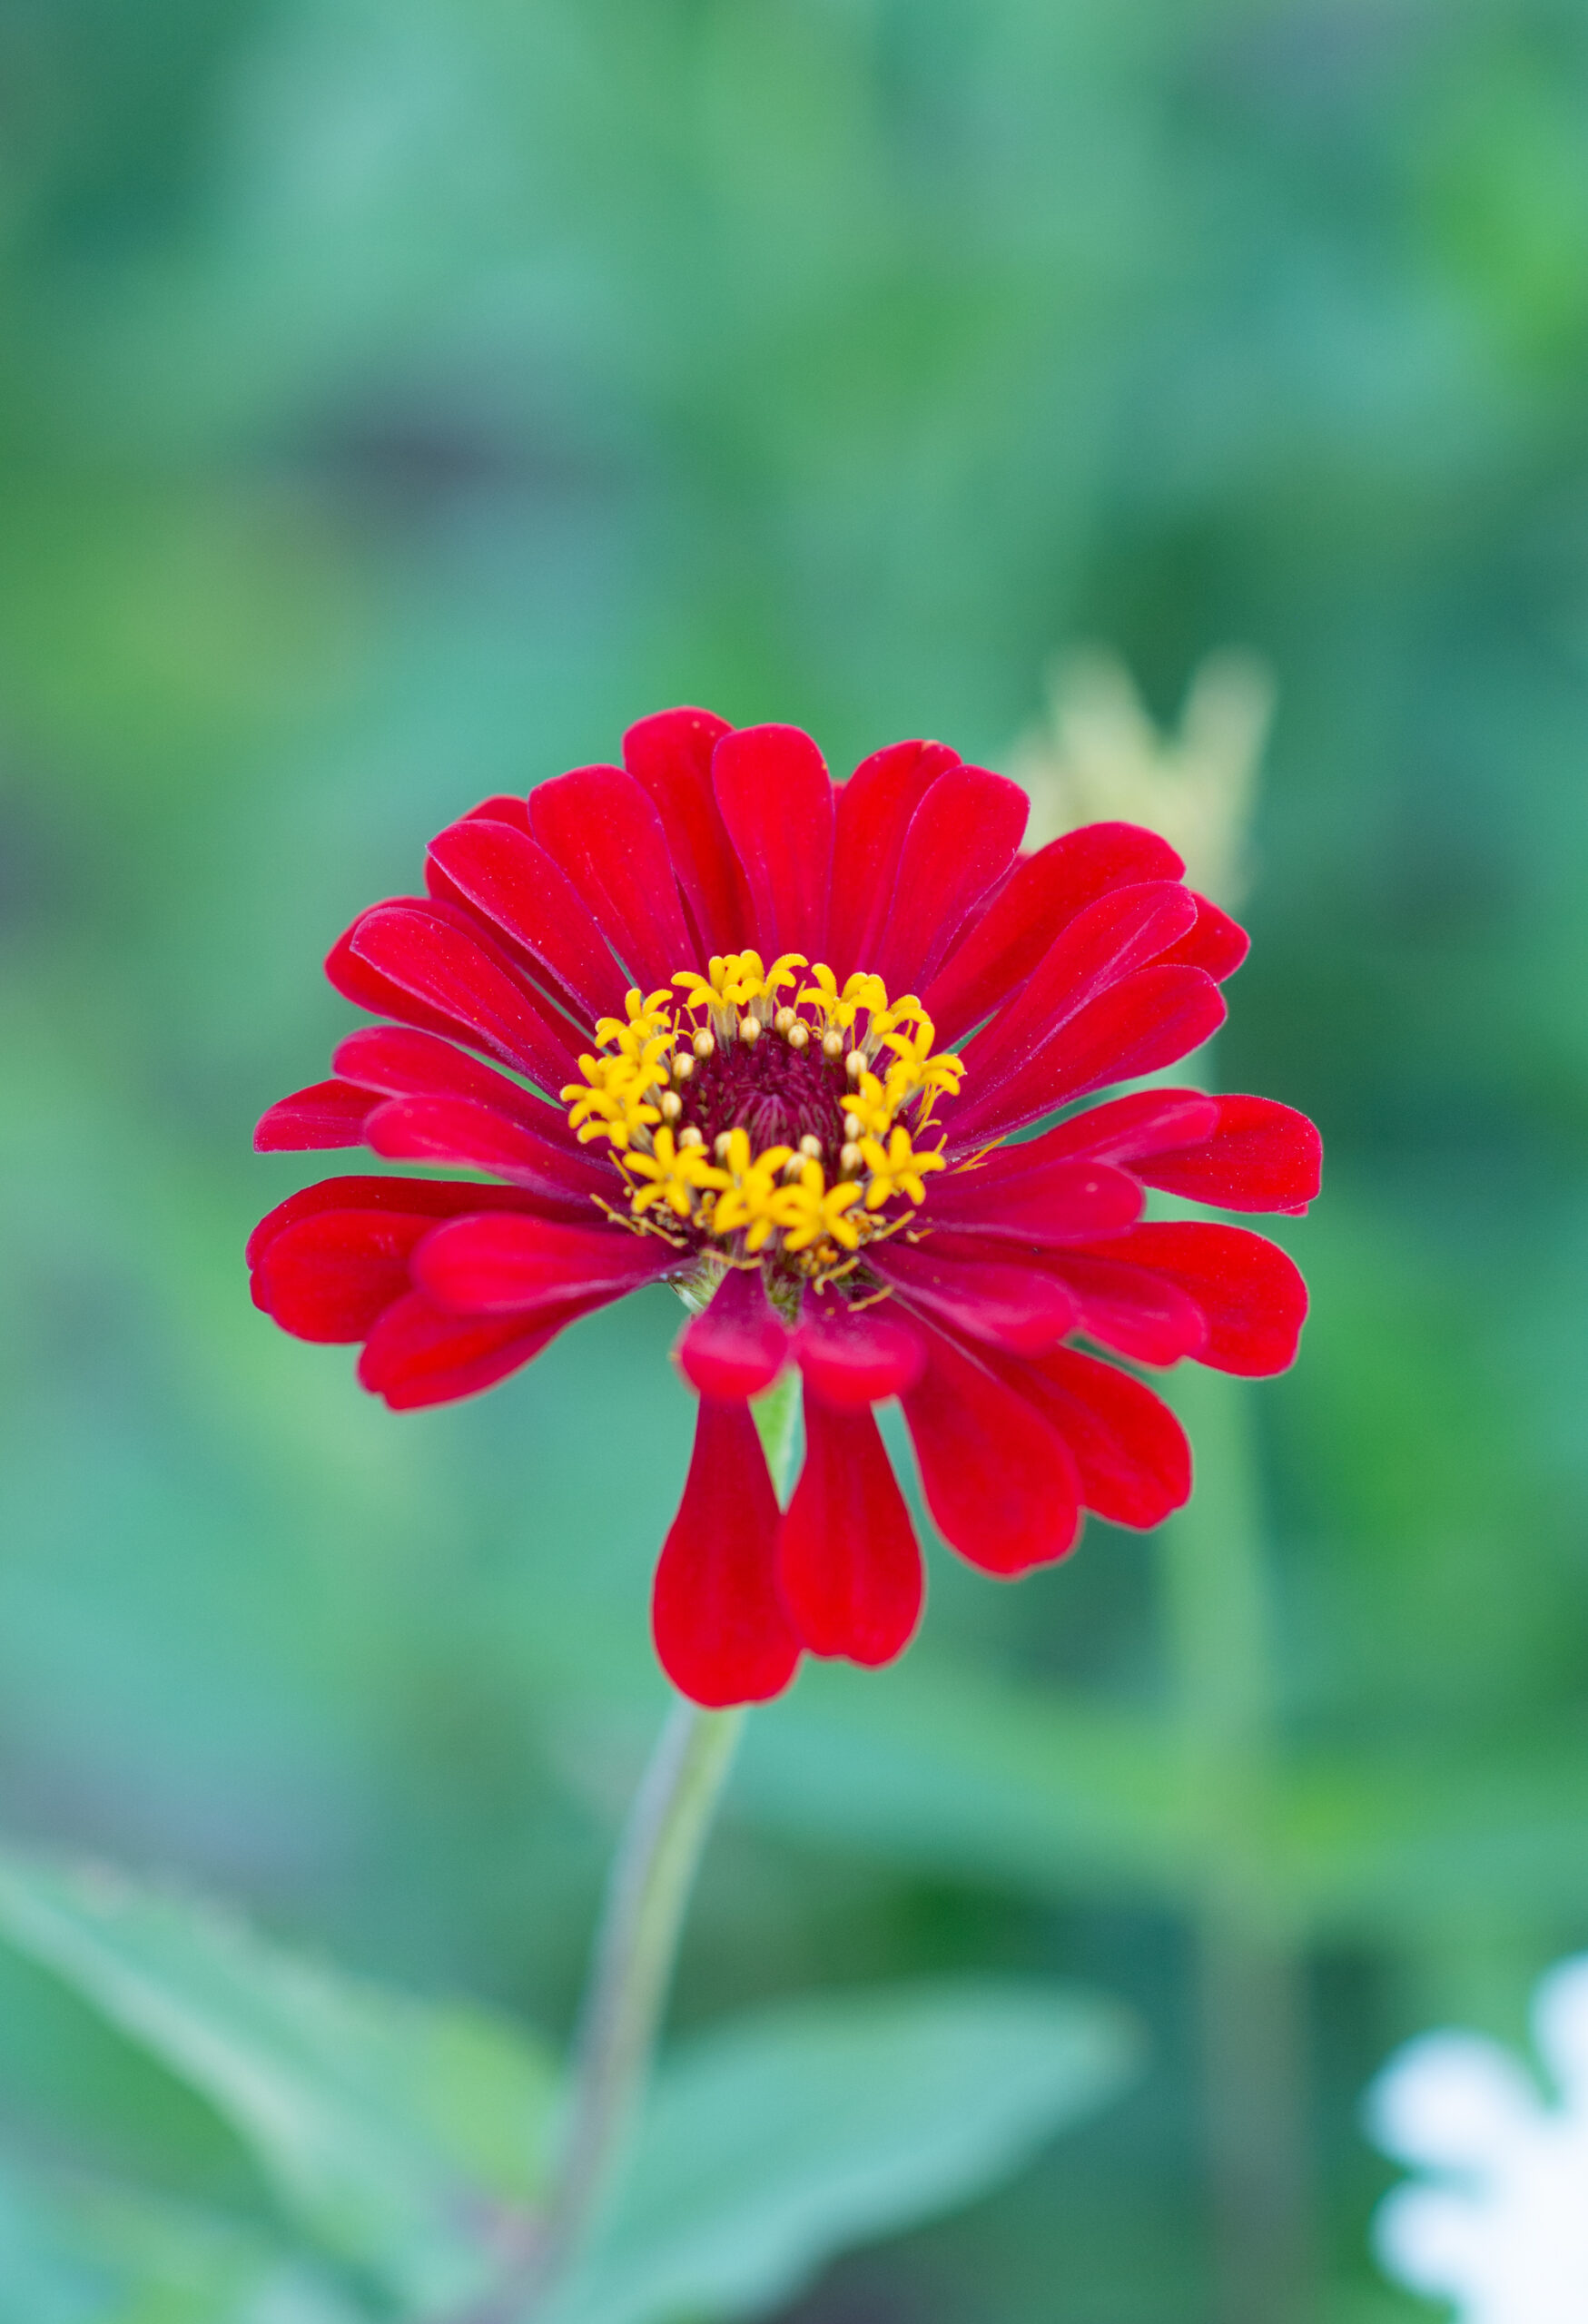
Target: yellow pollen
651,1088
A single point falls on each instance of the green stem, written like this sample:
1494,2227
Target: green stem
776,1415
647,1896
1248,1963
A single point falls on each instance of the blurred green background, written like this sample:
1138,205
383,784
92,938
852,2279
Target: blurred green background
397,397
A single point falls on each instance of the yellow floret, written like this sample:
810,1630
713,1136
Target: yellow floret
810,1211
675,1175
897,1170
750,1182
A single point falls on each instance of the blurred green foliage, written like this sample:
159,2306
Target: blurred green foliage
396,398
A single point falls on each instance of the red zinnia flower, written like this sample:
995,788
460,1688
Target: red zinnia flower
766,1038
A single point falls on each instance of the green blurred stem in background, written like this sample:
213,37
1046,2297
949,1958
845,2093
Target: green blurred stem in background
647,1896
1249,1965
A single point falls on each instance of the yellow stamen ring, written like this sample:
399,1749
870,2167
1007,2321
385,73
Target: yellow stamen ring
638,1086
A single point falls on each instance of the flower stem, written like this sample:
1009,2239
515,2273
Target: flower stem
1249,1962
647,1896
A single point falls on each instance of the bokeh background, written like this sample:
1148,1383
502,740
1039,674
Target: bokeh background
398,397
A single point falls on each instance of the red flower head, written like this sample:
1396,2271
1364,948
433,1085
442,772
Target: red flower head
766,1039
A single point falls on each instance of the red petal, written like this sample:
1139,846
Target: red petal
396,1061
420,1198
600,827
1131,1452
1260,1156
976,1287
331,1113
874,812
960,842
491,1266
776,799
1102,946
511,879
999,1482
416,1356
848,1561
1216,943
1250,1291
1150,1021
1133,1308
1127,1129
857,1356
464,1135
1044,894
328,1276
1053,1202
426,955
670,756
738,1346
503,807
717,1617
357,981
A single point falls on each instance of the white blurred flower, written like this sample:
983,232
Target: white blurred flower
1499,2224
1099,758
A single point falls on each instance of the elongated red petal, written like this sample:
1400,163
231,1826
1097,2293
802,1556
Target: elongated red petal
999,1482
517,1264
1132,1308
1055,1202
1131,1453
873,810
1125,1130
358,981
329,1114
1152,1020
328,1276
601,828
670,756
503,807
717,1615
1216,943
1000,950
429,1198
398,1061
849,1563
739,1345
417,1356
464,1135
981,1288
1113,938
510,878
1249,1291
775,796
1258,1156
857,1356
960,842
462,985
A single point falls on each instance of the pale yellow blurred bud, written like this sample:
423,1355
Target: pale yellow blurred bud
1099,758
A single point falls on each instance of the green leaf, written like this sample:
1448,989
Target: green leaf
80,2253
404,2137
774,2143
